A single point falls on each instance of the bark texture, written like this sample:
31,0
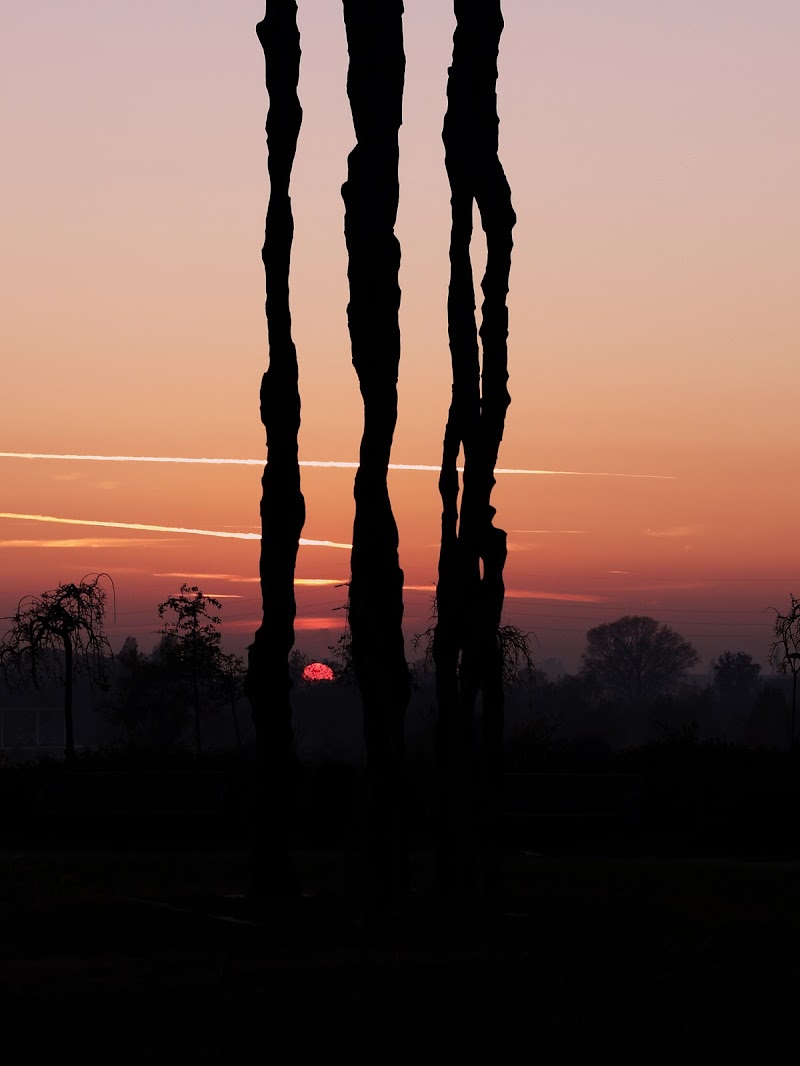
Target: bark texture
470,587
375,87
268,683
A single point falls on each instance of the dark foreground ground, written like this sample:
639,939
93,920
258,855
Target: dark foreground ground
150,957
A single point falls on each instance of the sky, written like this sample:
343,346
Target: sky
654,314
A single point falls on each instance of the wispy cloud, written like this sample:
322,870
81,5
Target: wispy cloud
217,595
208,577
565,531
564,597
334,464
146,527
327,622
87,542
674,531
321,622
311,582
320,582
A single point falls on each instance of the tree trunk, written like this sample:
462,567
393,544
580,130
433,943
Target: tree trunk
195,690
458,574
375,88
268,683
470,589
69,680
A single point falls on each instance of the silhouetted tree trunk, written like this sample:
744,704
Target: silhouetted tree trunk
268,683
455,726
375,88
470,588
69,680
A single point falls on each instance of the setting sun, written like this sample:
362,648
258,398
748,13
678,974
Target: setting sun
317,672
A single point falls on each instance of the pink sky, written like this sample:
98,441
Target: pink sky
653,308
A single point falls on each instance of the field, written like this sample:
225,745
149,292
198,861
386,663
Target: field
156,956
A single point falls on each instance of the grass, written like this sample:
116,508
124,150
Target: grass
128,957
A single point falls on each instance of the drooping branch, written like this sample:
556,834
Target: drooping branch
282,505
67,621
375,89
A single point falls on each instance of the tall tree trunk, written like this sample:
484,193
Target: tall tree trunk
375,88
268,683
69,681
470,589
458,574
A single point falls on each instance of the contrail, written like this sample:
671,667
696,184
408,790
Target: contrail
163,529
319,463
547,531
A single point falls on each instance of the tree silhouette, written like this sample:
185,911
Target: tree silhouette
470,587
784,652
735,674
375,88
230,681
148,698
268,683
195,639
635,658
55,635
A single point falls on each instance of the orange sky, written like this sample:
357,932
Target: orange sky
654,308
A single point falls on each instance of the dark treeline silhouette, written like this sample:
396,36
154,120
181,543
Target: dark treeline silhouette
701,766
470,590
282,504
375,608
696,764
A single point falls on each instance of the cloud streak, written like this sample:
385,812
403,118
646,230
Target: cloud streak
565,531
674,531
310,582
561,597
146,527
333,464
87,542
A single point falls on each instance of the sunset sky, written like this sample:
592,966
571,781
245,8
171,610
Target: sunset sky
654,163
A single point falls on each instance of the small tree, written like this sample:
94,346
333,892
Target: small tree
56,635
196,639
231,674
145,699
636,658
735,674
784,651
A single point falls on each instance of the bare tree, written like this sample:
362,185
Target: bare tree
268,682
470,589
784,652
375,87
56,635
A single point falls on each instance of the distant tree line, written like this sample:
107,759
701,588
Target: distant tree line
632,684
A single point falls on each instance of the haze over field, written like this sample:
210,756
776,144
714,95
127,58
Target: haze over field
651,458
